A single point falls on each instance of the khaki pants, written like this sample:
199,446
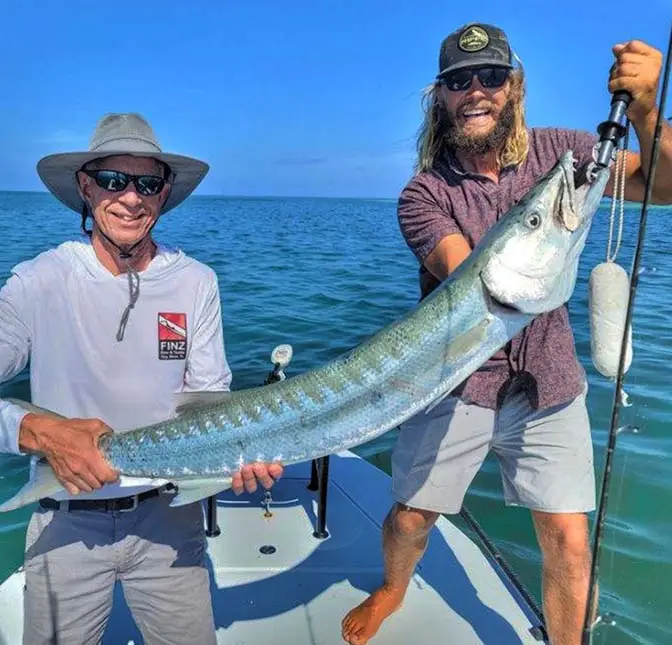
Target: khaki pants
157,553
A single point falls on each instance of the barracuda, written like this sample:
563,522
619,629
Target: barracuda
526,265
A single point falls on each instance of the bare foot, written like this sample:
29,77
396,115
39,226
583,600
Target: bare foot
361,623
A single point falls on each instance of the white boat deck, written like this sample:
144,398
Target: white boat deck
299,593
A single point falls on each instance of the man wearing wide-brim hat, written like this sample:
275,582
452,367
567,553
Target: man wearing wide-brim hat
92,316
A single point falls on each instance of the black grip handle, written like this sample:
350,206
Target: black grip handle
621,95
614,127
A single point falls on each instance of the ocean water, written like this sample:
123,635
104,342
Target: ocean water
324,274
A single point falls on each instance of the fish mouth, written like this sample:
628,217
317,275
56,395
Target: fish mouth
587,197
568,201
497,307
583,189
533,288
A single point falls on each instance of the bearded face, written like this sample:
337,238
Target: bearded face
477,141
477,120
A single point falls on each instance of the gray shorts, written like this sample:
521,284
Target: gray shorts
157,553
545,456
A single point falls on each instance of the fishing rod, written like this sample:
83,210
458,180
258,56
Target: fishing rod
610,130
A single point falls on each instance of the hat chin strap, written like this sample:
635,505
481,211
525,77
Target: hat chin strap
125,251
126,254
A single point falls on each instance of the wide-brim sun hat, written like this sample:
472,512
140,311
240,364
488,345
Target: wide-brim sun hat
119,134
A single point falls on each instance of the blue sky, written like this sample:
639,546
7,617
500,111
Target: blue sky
285,98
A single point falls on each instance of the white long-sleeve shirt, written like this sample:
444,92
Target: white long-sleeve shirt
61,311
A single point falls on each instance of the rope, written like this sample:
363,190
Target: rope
619,196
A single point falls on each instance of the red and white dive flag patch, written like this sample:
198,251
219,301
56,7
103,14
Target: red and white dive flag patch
172,336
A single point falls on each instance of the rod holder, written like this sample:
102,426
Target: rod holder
211,526
319,481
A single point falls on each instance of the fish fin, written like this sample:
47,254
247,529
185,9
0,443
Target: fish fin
190,401
194,490
460,347
34,408
42,483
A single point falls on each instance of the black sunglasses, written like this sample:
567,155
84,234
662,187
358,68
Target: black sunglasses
461,79
115,181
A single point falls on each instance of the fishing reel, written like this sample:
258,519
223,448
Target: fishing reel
281,357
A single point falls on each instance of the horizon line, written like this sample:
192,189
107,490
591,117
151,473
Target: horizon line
228,195
235,196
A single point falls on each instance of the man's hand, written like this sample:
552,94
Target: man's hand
246,478
71,448
637,71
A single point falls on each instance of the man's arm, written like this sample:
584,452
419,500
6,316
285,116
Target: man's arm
70,445
637,70
448,254
14,353
207,368
429,228
637,168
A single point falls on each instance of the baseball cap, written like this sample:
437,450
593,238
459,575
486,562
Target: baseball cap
474,44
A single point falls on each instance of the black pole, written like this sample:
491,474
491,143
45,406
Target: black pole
613,430
211,527
323,474
314,483
539,631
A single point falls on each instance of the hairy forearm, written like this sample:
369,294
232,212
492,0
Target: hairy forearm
645,129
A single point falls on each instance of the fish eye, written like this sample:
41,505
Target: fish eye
533,220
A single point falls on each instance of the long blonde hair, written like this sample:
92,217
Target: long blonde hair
430,143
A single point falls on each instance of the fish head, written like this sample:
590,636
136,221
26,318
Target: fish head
533,255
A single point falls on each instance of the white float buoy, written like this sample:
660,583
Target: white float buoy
608,293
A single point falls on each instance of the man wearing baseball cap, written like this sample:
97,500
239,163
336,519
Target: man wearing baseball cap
476,158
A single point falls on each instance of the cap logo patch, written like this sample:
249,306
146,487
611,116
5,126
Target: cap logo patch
473,39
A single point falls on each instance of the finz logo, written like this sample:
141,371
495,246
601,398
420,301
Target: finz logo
172,336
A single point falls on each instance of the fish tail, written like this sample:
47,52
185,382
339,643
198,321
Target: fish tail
42,483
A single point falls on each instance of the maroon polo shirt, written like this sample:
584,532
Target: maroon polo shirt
448,200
